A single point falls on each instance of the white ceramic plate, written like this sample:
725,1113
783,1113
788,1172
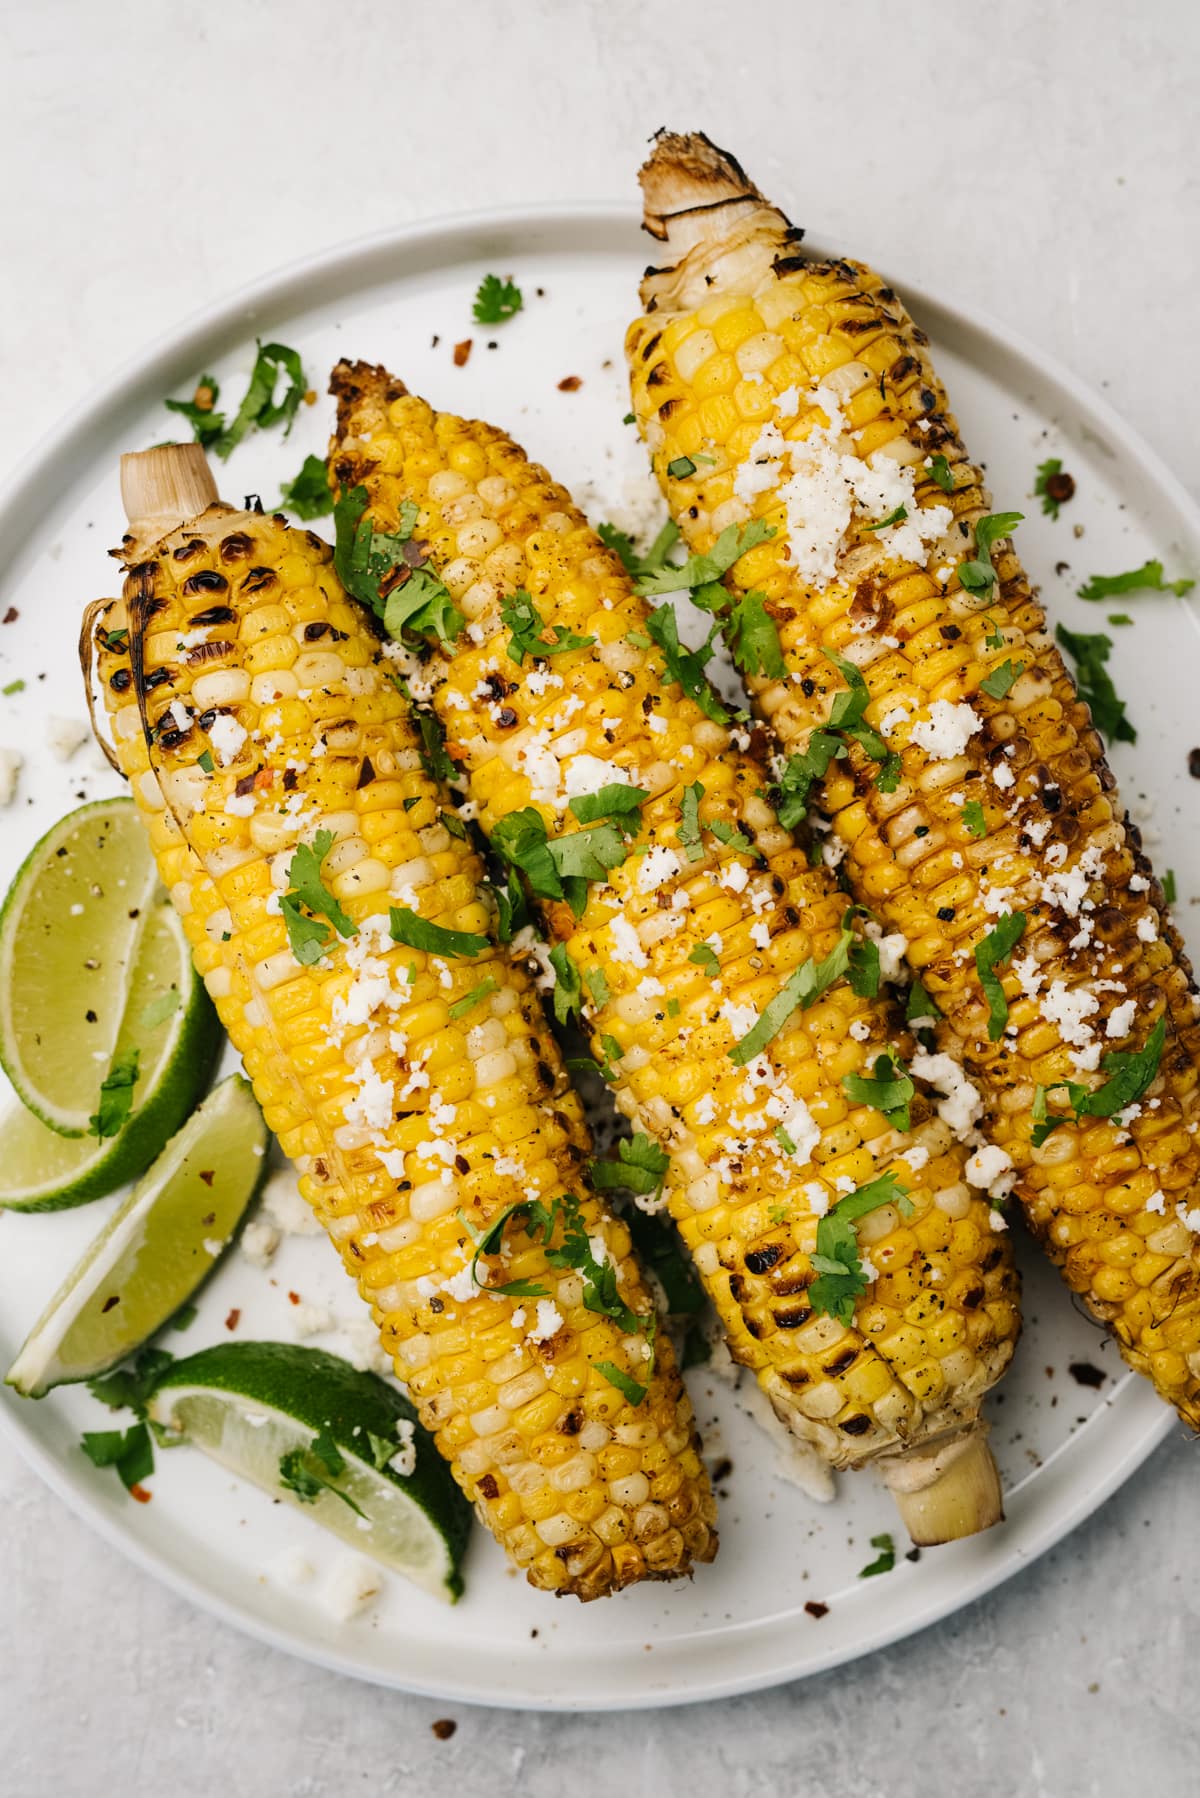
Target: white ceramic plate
1063,1446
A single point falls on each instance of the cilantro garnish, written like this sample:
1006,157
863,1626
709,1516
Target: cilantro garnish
130,1451
496,301
14,686
641,1167
1052,487
116,1095
979,576
686,666
308,937
613,1052
1148,578
1131,1073
625,1383
841,1279
434,759
470,1000
939,468
1095,684
562,868
920,1003
896,517
705,956
681,468
311,1471
827,744
995,636
800,990
567,995
524,622
613,801
886,1558
308,496
973,818
863,971
753,638
207,424
418,933
996,948
889,1090
689,822
596,982
115,641
1168,886
699,569
655,559
1000,681
387,571
259,409
204,760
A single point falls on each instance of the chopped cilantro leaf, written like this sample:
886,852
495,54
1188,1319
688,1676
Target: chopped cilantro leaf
308,496
886,1558
841,1278
920,1003
625,1384
387,572
1131,1074
1095,683
595,980
1119,618
979,576
567,993
434,759
418,933
1148,578
641,1167
863,971
130,1451
996,948
995,636
204,760
614,801
1000,681
681,468
789,1148
207,424
801,989
689,822
116,1095
655,559
259,408
524,622
704,956
496,301
1063,487
470,1000
732,544
298,1474
686,666
307,937
14,686
889,1090
939,468
973,818
754,639
896,517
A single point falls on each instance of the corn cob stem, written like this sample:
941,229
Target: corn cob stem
249,708
685,943
790,380
942,1489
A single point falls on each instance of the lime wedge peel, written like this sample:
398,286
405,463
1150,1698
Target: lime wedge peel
249,1404
158,1246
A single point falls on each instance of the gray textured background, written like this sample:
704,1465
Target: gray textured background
1036,161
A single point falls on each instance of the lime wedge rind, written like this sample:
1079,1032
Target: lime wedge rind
246,1404
156,1250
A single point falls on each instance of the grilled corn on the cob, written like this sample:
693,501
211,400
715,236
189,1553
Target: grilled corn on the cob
413,1081
703,910
997,846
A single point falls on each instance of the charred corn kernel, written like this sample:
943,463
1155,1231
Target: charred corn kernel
378,1094
532,733
1100,963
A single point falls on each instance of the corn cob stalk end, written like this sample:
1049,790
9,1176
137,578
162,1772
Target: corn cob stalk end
163,487
946,1489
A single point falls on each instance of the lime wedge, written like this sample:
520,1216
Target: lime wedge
169,1018
155,1249
256,1405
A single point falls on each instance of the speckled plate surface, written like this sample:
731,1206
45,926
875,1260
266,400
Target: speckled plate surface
1068,1425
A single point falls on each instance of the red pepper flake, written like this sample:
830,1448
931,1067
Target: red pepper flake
816,1609
444,1728
11,616
110,1302
294,1297
142,1496
461,352
206,1174
234,1319
264,778
570,384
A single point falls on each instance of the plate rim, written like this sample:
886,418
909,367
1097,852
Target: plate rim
19,511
